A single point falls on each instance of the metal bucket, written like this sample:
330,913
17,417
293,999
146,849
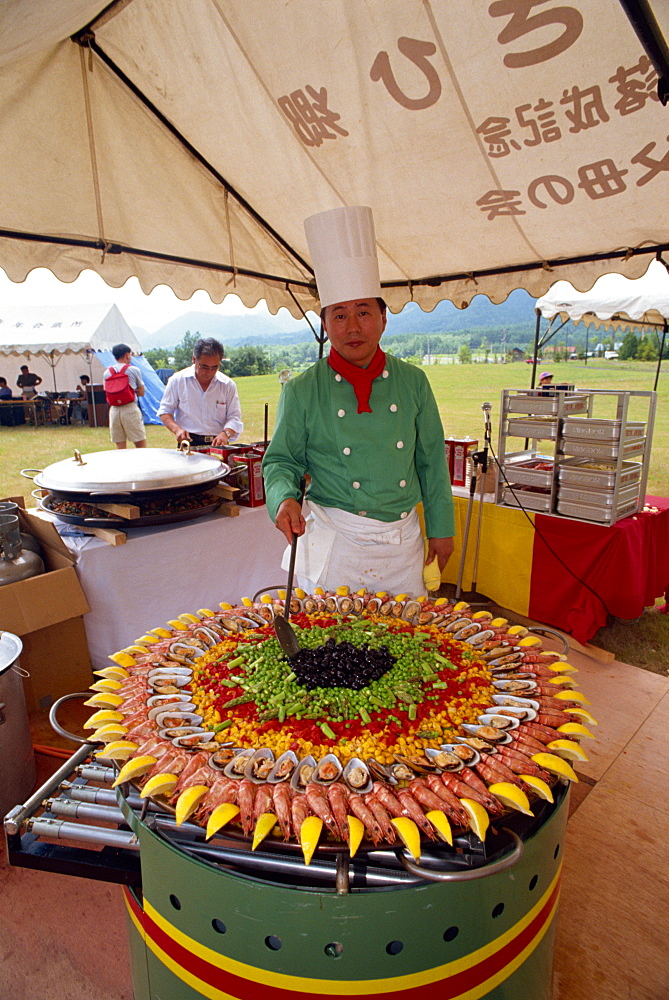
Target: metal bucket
202,931
17,761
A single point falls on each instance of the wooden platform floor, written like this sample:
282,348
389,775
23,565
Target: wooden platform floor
65,938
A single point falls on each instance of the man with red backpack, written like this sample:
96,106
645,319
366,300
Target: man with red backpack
123,384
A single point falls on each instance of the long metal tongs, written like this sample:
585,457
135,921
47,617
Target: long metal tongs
283,630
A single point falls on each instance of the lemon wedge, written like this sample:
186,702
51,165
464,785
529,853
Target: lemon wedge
529,640
134,768
499,622
440,601
265,823
517,630
568,749
564,680
107,684
319,592
344,591
189,619
401,597
481,616
310,831
104,699
281,594
115,673
556,765
141,650
123,659
221,815
478,817
299,593
188,802
110,732
265,599
179,626
512,796
103,718
228,607
572,696
409,834
159,784
205,613
562,667
575,729
361,592
117,750
539,785
356,831
162,633
461,606
439,821
582,713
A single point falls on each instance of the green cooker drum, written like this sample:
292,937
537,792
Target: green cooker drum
203,930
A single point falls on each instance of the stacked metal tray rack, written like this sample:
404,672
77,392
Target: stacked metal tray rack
594,468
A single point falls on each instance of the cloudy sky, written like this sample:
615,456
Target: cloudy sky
147,311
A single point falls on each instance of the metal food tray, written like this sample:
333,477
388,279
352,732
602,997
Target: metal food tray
590,428
587,513
522,472
590,449
599,499
572,473
542,403
532,501
540,429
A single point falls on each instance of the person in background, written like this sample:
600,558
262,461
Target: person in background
365,427
200,404
28,382
5,391
126,422
79,406
545,379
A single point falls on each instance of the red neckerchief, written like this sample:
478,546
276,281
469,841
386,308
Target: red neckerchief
360,378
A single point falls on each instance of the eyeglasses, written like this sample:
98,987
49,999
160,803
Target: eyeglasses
206,368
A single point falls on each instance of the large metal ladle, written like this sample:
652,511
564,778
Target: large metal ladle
283,630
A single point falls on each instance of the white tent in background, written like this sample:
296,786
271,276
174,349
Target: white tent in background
613,303
59,342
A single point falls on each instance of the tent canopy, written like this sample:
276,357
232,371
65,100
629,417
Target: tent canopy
500,144
613,302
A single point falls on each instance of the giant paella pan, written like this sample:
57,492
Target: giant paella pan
383,812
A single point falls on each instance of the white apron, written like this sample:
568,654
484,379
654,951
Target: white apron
340,549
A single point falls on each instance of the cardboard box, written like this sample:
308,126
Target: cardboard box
45,611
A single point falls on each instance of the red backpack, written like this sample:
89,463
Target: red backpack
118,389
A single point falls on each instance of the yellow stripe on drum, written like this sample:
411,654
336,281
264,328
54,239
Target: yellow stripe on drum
481,981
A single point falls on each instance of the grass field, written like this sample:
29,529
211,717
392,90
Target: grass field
460,390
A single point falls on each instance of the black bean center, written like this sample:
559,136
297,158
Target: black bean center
340,664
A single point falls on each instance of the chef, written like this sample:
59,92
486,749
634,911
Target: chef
365,428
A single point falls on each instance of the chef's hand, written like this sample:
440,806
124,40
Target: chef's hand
221,440
181,434
442,548
289,519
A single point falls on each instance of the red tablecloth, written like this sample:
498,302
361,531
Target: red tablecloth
617,570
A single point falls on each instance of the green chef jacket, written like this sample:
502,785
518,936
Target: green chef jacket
378,464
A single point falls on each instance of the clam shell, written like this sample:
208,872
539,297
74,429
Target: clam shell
411,611
438,757
176,706
419,765
503,722
425,617
259,766
358,605
357,776
385,608
221,757
514,686
469,631
191,741
208,636
283,767
236,767
524,714
174,732
175,671
345,605
188,649
397,609
330,603
175,680
327,770
379,772
511,700
457,624
373,605
476,743
164,719
467,754
298,778
166,699
479,637
487,733
507,660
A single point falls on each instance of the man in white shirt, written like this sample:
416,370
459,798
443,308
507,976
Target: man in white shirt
200,404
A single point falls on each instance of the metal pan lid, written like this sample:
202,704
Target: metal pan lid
110,472
10,650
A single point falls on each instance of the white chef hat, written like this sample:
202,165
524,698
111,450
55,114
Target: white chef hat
342,245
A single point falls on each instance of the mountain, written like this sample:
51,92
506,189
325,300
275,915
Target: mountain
263,328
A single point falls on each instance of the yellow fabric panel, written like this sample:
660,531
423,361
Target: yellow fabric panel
505,553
